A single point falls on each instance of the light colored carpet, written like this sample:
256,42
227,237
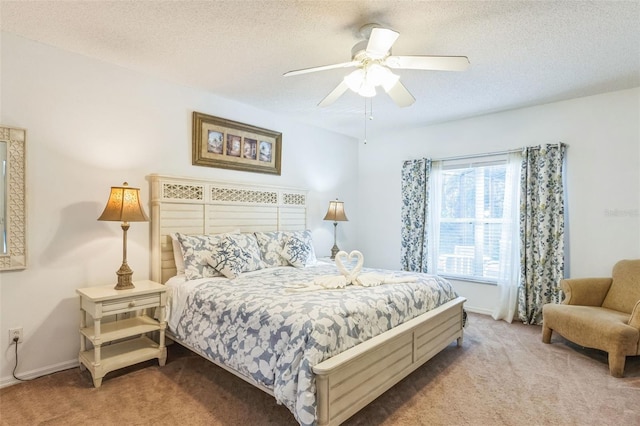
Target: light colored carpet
503,375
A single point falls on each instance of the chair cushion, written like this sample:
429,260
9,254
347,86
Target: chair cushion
625,288
593,327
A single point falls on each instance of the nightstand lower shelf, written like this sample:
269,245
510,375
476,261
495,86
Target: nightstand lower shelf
120,329
121,354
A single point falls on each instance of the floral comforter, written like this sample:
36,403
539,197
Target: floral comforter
273,327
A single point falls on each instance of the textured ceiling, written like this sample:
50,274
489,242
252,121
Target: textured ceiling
521,53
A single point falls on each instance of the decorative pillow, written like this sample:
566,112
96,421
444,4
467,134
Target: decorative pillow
306,236
177,254
271,244
196,250
298,249
236,254
296,252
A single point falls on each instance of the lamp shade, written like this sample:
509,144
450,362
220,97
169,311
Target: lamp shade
336,212
124,205
355,79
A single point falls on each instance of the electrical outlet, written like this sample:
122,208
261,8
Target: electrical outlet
15,332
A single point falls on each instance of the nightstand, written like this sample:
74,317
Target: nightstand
127,338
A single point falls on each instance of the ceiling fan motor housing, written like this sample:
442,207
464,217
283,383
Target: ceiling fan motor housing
359,50
365,30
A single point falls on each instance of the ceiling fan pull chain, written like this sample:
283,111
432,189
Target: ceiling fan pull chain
365,121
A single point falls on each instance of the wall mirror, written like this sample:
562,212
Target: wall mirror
13,223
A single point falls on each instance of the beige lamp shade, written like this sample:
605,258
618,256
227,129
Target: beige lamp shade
124,206
336,212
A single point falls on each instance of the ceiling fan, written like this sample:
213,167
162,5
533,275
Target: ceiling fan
373,61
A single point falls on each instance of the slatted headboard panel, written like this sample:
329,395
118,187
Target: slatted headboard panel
193,206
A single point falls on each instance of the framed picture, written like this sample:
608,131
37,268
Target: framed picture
218,142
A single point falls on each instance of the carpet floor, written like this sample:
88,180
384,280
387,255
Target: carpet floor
502,375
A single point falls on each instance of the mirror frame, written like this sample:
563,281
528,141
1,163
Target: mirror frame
16,220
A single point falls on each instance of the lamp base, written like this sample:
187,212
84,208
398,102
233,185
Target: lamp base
334,251
124,278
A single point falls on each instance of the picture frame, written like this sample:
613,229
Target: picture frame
227,144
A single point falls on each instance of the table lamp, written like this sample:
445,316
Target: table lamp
124,206
336,214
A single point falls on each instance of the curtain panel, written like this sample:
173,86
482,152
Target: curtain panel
541,230
509,269
415,183
434,208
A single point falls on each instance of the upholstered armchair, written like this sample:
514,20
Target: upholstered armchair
600,313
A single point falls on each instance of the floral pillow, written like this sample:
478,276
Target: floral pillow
196,250
298,249
306,236
271,244
236,253
296,252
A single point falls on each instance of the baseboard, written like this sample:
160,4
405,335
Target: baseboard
29,375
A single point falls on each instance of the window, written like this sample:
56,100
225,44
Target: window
469,217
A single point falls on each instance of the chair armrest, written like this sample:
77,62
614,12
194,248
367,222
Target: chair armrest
634,321
585,291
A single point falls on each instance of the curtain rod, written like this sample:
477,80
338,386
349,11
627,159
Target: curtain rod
487,154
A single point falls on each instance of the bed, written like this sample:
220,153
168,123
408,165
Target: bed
341,384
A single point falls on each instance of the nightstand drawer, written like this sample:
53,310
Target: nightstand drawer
130,303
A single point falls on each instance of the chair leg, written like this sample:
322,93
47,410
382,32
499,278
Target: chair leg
546,334
616,364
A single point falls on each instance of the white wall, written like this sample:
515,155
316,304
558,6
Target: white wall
603,177
91,125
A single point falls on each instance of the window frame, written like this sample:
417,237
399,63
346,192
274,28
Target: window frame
458,164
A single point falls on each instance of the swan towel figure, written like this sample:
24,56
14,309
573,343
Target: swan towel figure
350,277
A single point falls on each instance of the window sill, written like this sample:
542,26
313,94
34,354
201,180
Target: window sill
469,279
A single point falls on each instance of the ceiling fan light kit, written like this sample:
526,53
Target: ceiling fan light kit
373,60
364,80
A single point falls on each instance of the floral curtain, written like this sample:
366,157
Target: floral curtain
541,230
415,181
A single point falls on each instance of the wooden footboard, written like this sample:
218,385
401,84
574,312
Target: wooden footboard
349,381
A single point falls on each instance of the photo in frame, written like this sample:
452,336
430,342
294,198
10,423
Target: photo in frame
227,144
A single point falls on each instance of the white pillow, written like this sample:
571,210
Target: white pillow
177,254
235,254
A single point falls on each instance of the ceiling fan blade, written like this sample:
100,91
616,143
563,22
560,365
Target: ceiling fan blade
437,63
400,95
380,42
322,68
335,94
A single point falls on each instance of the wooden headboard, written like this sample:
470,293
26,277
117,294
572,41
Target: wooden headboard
196,206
